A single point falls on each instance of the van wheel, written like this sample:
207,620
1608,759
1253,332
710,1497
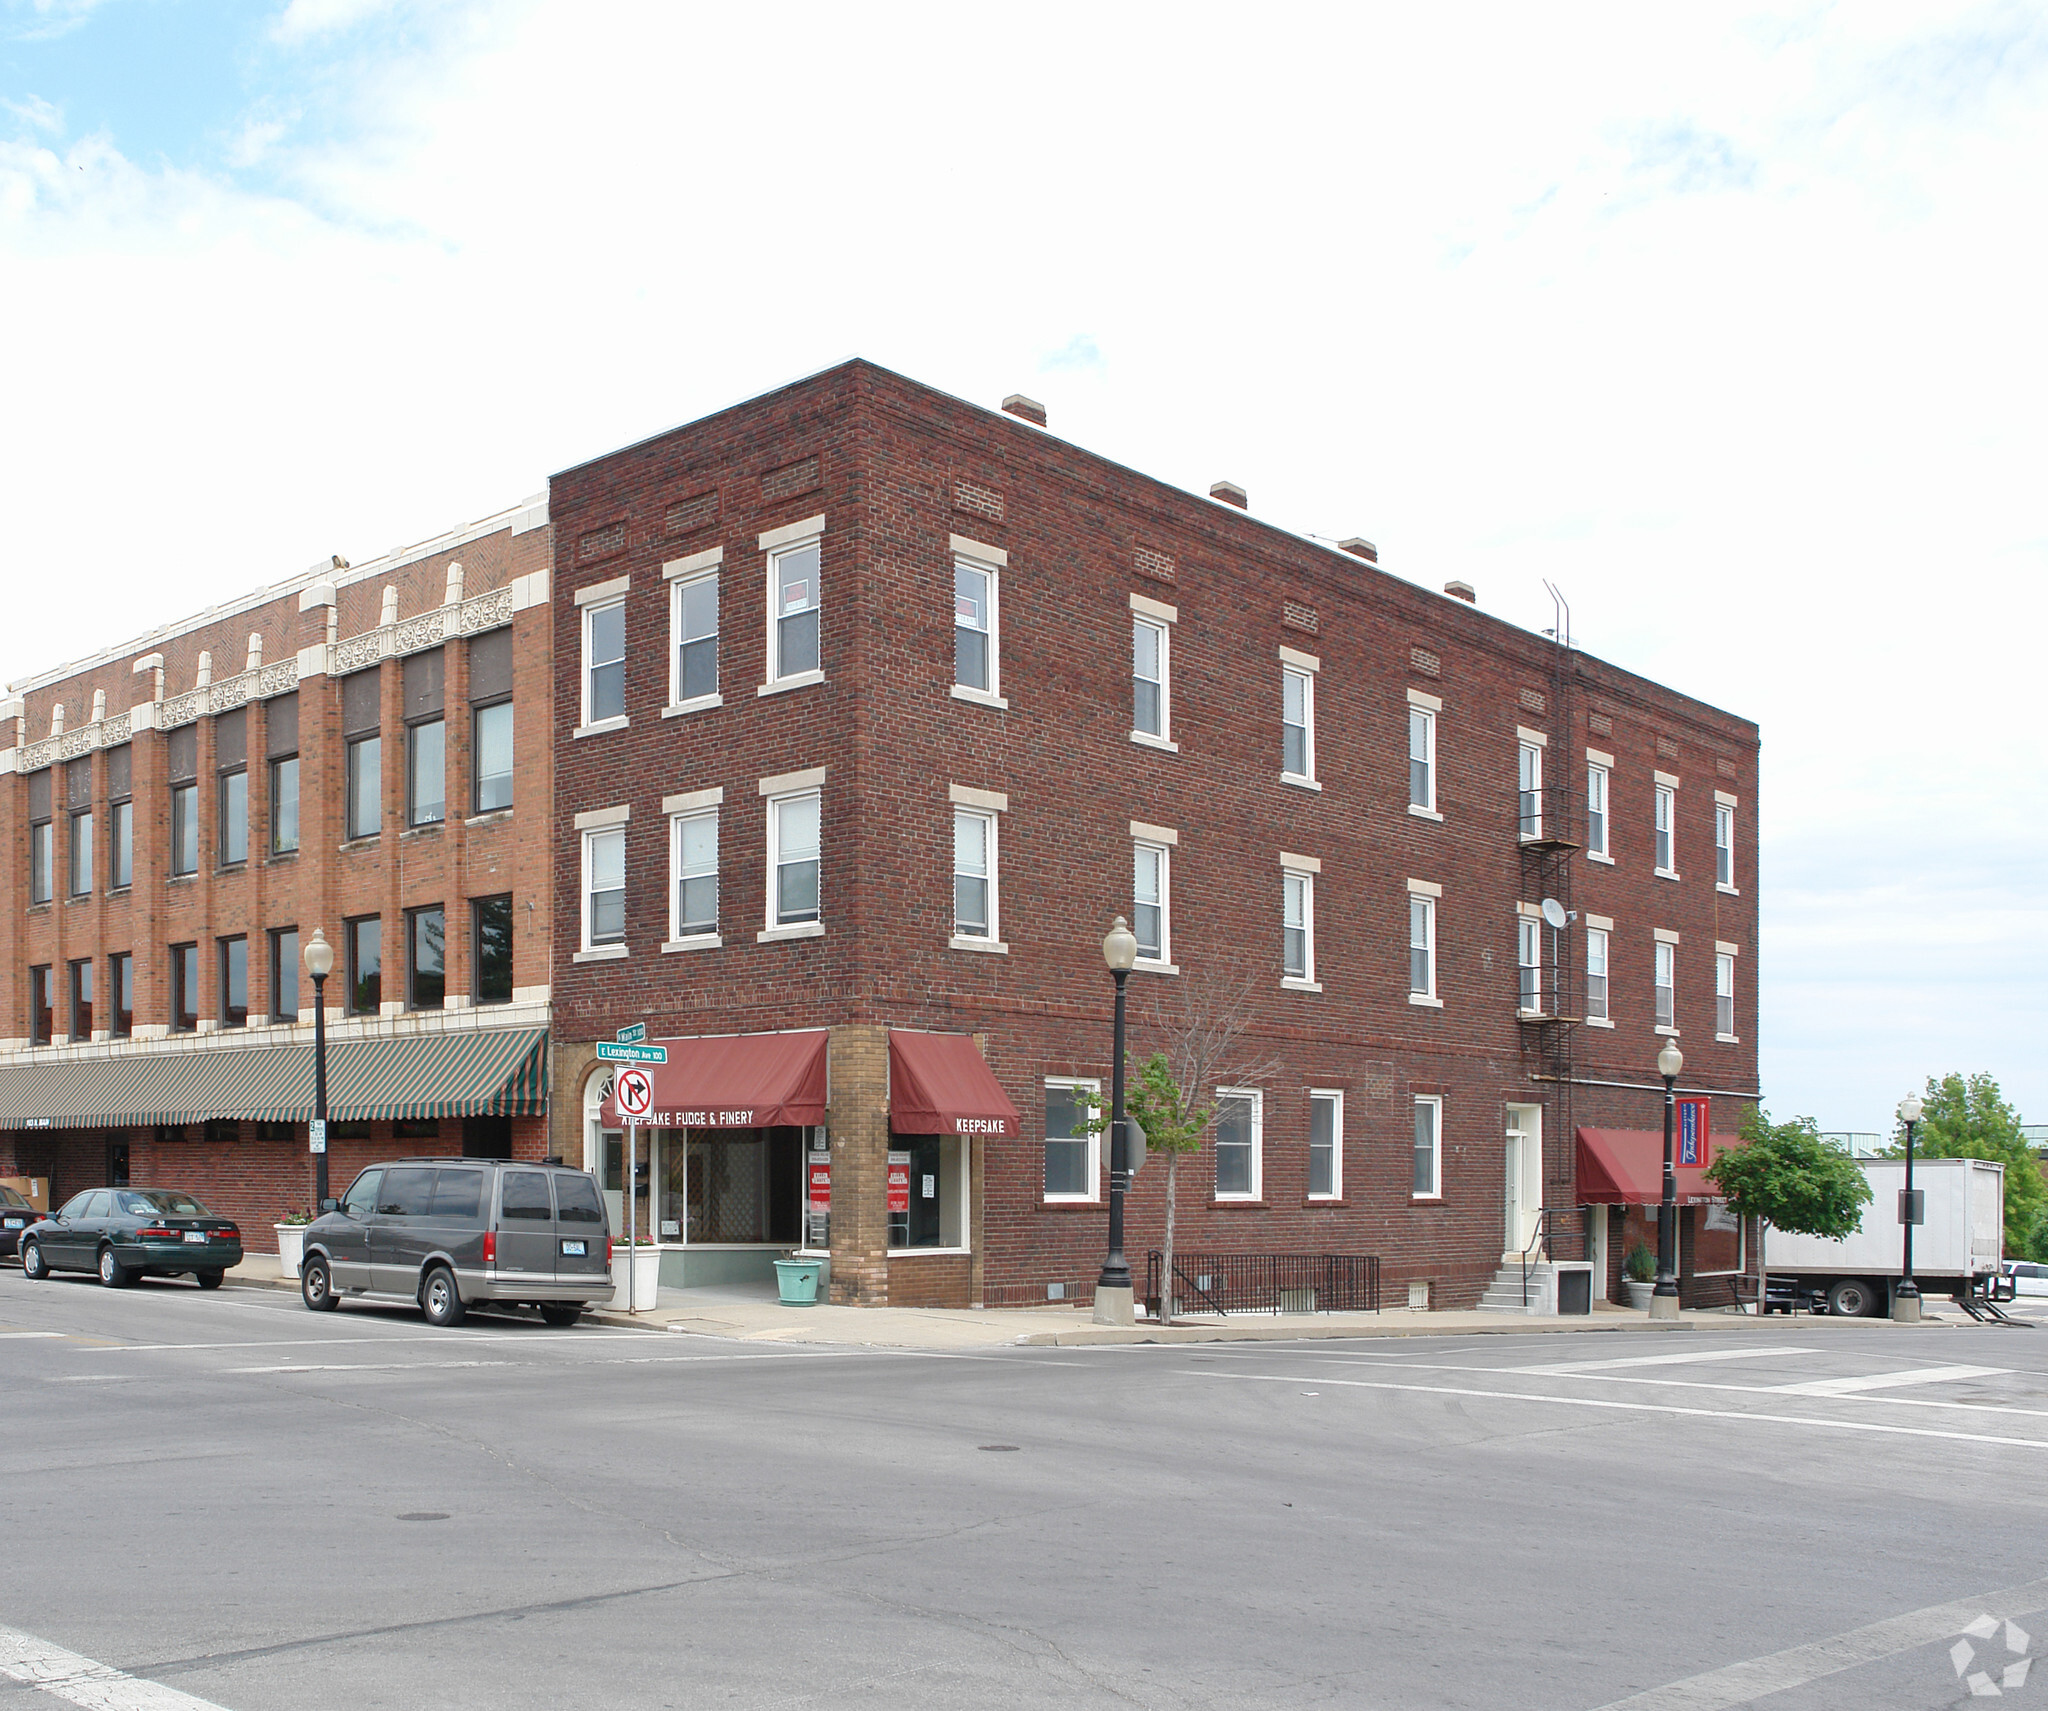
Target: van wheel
1852,1298
113,1273
316,1287
33,1266
440,1300
561,1313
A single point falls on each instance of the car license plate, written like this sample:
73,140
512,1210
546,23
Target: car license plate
12,1224
195,1235
577,1248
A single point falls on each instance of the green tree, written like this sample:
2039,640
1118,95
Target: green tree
1785,1174
1967,1117
1206,1025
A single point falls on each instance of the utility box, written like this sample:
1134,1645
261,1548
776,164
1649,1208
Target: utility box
1574,1289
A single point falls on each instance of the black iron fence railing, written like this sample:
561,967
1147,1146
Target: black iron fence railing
1266,1283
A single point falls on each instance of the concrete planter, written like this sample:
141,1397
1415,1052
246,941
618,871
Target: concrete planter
1639,1294
646,1275
291,1247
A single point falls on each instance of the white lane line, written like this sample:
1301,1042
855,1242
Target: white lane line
96,1686
1566,1368
535,1337
1756,1678
1887,1380
1638,1408
9,1336
379,1366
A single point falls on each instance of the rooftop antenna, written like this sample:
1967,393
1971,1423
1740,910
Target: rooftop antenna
1561,615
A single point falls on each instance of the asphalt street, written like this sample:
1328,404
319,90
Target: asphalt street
260,1508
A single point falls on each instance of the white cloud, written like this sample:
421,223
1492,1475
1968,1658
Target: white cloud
36,113
304,21
1726,322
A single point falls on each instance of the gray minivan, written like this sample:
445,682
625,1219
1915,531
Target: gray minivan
449,1233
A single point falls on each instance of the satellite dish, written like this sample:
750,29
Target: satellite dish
1553,913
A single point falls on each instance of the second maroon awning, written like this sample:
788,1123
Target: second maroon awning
1625,1167
939,1084
726,1081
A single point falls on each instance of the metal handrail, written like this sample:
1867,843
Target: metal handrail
1541,1239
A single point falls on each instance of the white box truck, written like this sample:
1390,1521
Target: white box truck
1957,1251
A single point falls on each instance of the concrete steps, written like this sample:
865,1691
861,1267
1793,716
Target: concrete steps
1504,1293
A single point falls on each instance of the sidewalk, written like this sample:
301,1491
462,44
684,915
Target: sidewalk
755,1316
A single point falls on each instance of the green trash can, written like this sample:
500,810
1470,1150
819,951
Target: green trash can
796,1281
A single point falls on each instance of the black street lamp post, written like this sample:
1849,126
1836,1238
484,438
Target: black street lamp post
319,964
1113,1294
1664,1297
1906,1298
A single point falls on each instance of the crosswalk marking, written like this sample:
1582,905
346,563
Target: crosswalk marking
95,1686
1602,1403
1565,1369
1887,1380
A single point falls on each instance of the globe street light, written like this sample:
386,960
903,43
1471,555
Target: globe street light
1906,1298
1113,1305
1664,1298
319,964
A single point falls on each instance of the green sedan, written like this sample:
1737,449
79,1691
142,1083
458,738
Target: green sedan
125,1233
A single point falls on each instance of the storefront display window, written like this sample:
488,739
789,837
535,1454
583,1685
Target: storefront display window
927,1190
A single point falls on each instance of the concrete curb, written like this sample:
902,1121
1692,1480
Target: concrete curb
930,1329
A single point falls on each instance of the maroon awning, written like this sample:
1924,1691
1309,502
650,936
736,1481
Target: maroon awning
1625,1167
729,1081
939,1084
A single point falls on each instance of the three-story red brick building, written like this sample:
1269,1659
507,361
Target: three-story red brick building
872,707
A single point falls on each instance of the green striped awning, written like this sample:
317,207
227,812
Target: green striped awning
475,1072
487,1072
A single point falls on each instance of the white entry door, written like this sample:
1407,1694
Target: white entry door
1523,1175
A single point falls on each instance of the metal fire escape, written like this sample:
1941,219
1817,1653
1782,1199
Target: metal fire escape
1550,1030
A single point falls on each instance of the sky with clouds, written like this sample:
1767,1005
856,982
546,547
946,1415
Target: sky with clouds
1726,319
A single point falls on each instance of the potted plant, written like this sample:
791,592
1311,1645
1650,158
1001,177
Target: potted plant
291,1240
796,1278
1639,1274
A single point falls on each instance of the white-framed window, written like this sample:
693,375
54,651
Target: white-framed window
604,887
1151,665
1529,788
1325,1144
1666,828
974,874
1239,1113
604,662
1421,758
977,658
1596,974
1421,945
795,826
693,869
1724,994
1596,811
1073,1157
1428,1180
693,640
1297,924
1529,963
1724,843
794,643
1151,900
1297,723
1667,984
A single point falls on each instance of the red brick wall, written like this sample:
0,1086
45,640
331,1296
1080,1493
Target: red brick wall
894,460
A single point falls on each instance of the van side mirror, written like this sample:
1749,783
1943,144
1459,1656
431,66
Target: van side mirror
330,1204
